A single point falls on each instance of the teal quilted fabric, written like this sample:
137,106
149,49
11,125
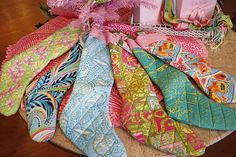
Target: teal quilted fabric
183,101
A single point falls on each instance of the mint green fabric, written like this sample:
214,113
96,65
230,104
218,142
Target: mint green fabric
183,101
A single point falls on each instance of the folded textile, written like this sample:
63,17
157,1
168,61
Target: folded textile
190,44
116,104
218,85
183,101
115,107
22,68
44,95
85,119
64,101
217,26
37,36
142,116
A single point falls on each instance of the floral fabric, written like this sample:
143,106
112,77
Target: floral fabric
21,69
45,93
183,101
218,85
142,116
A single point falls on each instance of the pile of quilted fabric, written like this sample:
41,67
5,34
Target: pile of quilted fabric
91,73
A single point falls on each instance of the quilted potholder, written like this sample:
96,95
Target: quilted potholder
22,68
218,85
85,119
142,115
44,95
183,101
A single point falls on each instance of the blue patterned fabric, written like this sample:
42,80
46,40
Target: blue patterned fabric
85,119
44,95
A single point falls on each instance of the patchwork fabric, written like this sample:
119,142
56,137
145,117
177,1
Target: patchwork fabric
85,119
218,85
142,115
183,101
44,95
21,69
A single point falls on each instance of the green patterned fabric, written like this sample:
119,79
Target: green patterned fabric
101,1
142,116
21,69
183,101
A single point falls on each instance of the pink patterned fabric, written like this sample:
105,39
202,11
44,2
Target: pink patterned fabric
37,36
123,28
64,102
61,12
115,107
192,45
148,38
103,34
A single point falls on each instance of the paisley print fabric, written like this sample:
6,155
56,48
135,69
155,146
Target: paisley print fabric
142,115
183,101
44,95
218,85
85,119
19,71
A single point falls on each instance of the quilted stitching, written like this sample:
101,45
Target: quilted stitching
44,95
146,120
220,86
85,119
184,102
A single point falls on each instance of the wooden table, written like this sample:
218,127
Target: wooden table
18,18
